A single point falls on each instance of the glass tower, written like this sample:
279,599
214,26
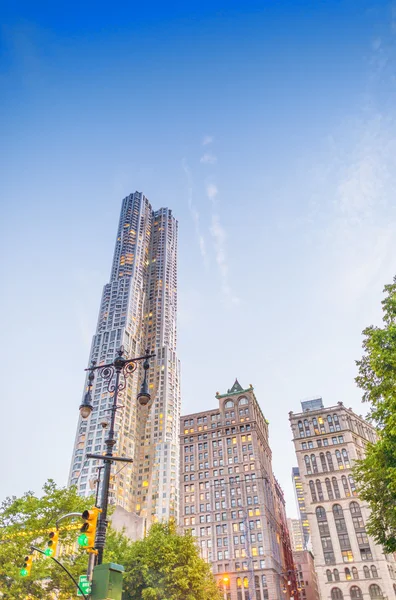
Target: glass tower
138,311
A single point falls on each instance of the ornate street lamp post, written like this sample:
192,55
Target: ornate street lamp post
121,367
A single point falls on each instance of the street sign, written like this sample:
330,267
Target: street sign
84,584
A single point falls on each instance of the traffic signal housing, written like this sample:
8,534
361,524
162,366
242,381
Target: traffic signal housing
25,571
86,539
52,543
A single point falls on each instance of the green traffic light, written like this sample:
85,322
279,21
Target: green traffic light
23,572
82,540
48,552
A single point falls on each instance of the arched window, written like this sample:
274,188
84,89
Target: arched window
313,492
394,588
308,464
314,465
348,575
339,459
239,582
243,401
366,572
345,458
319,490
355,573
336,575
330,423
374,571
328,552
323,462
336,423
245,583
315,425
330,461
336,488
352,485
306,425
329,575
336,594
329,489
356,592
354,508
229,404
301,429
345,486
343,537
375,591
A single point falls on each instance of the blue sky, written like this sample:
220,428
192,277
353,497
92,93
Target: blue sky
269,127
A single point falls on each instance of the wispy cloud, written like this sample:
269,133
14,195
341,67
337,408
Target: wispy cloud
211,191
208,139
194,213
219,237
208,159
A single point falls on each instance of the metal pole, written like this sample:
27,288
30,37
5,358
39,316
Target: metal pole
98,486
110,443
63,567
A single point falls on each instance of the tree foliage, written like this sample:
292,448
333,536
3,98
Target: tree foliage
23,521
376,473
167,566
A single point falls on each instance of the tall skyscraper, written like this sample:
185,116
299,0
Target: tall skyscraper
300,500
230,499
296,534
138,311
348,563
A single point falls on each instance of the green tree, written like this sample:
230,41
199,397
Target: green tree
23,521
167,566
376,473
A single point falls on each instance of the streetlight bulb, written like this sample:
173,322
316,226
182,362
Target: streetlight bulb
86,406
85,411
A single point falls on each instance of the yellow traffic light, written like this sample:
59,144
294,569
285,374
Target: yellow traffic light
25,571
88,530
52,543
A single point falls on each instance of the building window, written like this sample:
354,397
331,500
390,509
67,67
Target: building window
306,425
329,489
329,575
308,464
319,490
356,593
336,594
374,571
323,462
313,462
336,575
330,461
366,572
345,486
336,488
339,459
343,537
331,427
355,573
352,484
375,591
328,552
348,575
313,492
301,429
345,458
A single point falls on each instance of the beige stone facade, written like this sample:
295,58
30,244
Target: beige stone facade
228,496
349,565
